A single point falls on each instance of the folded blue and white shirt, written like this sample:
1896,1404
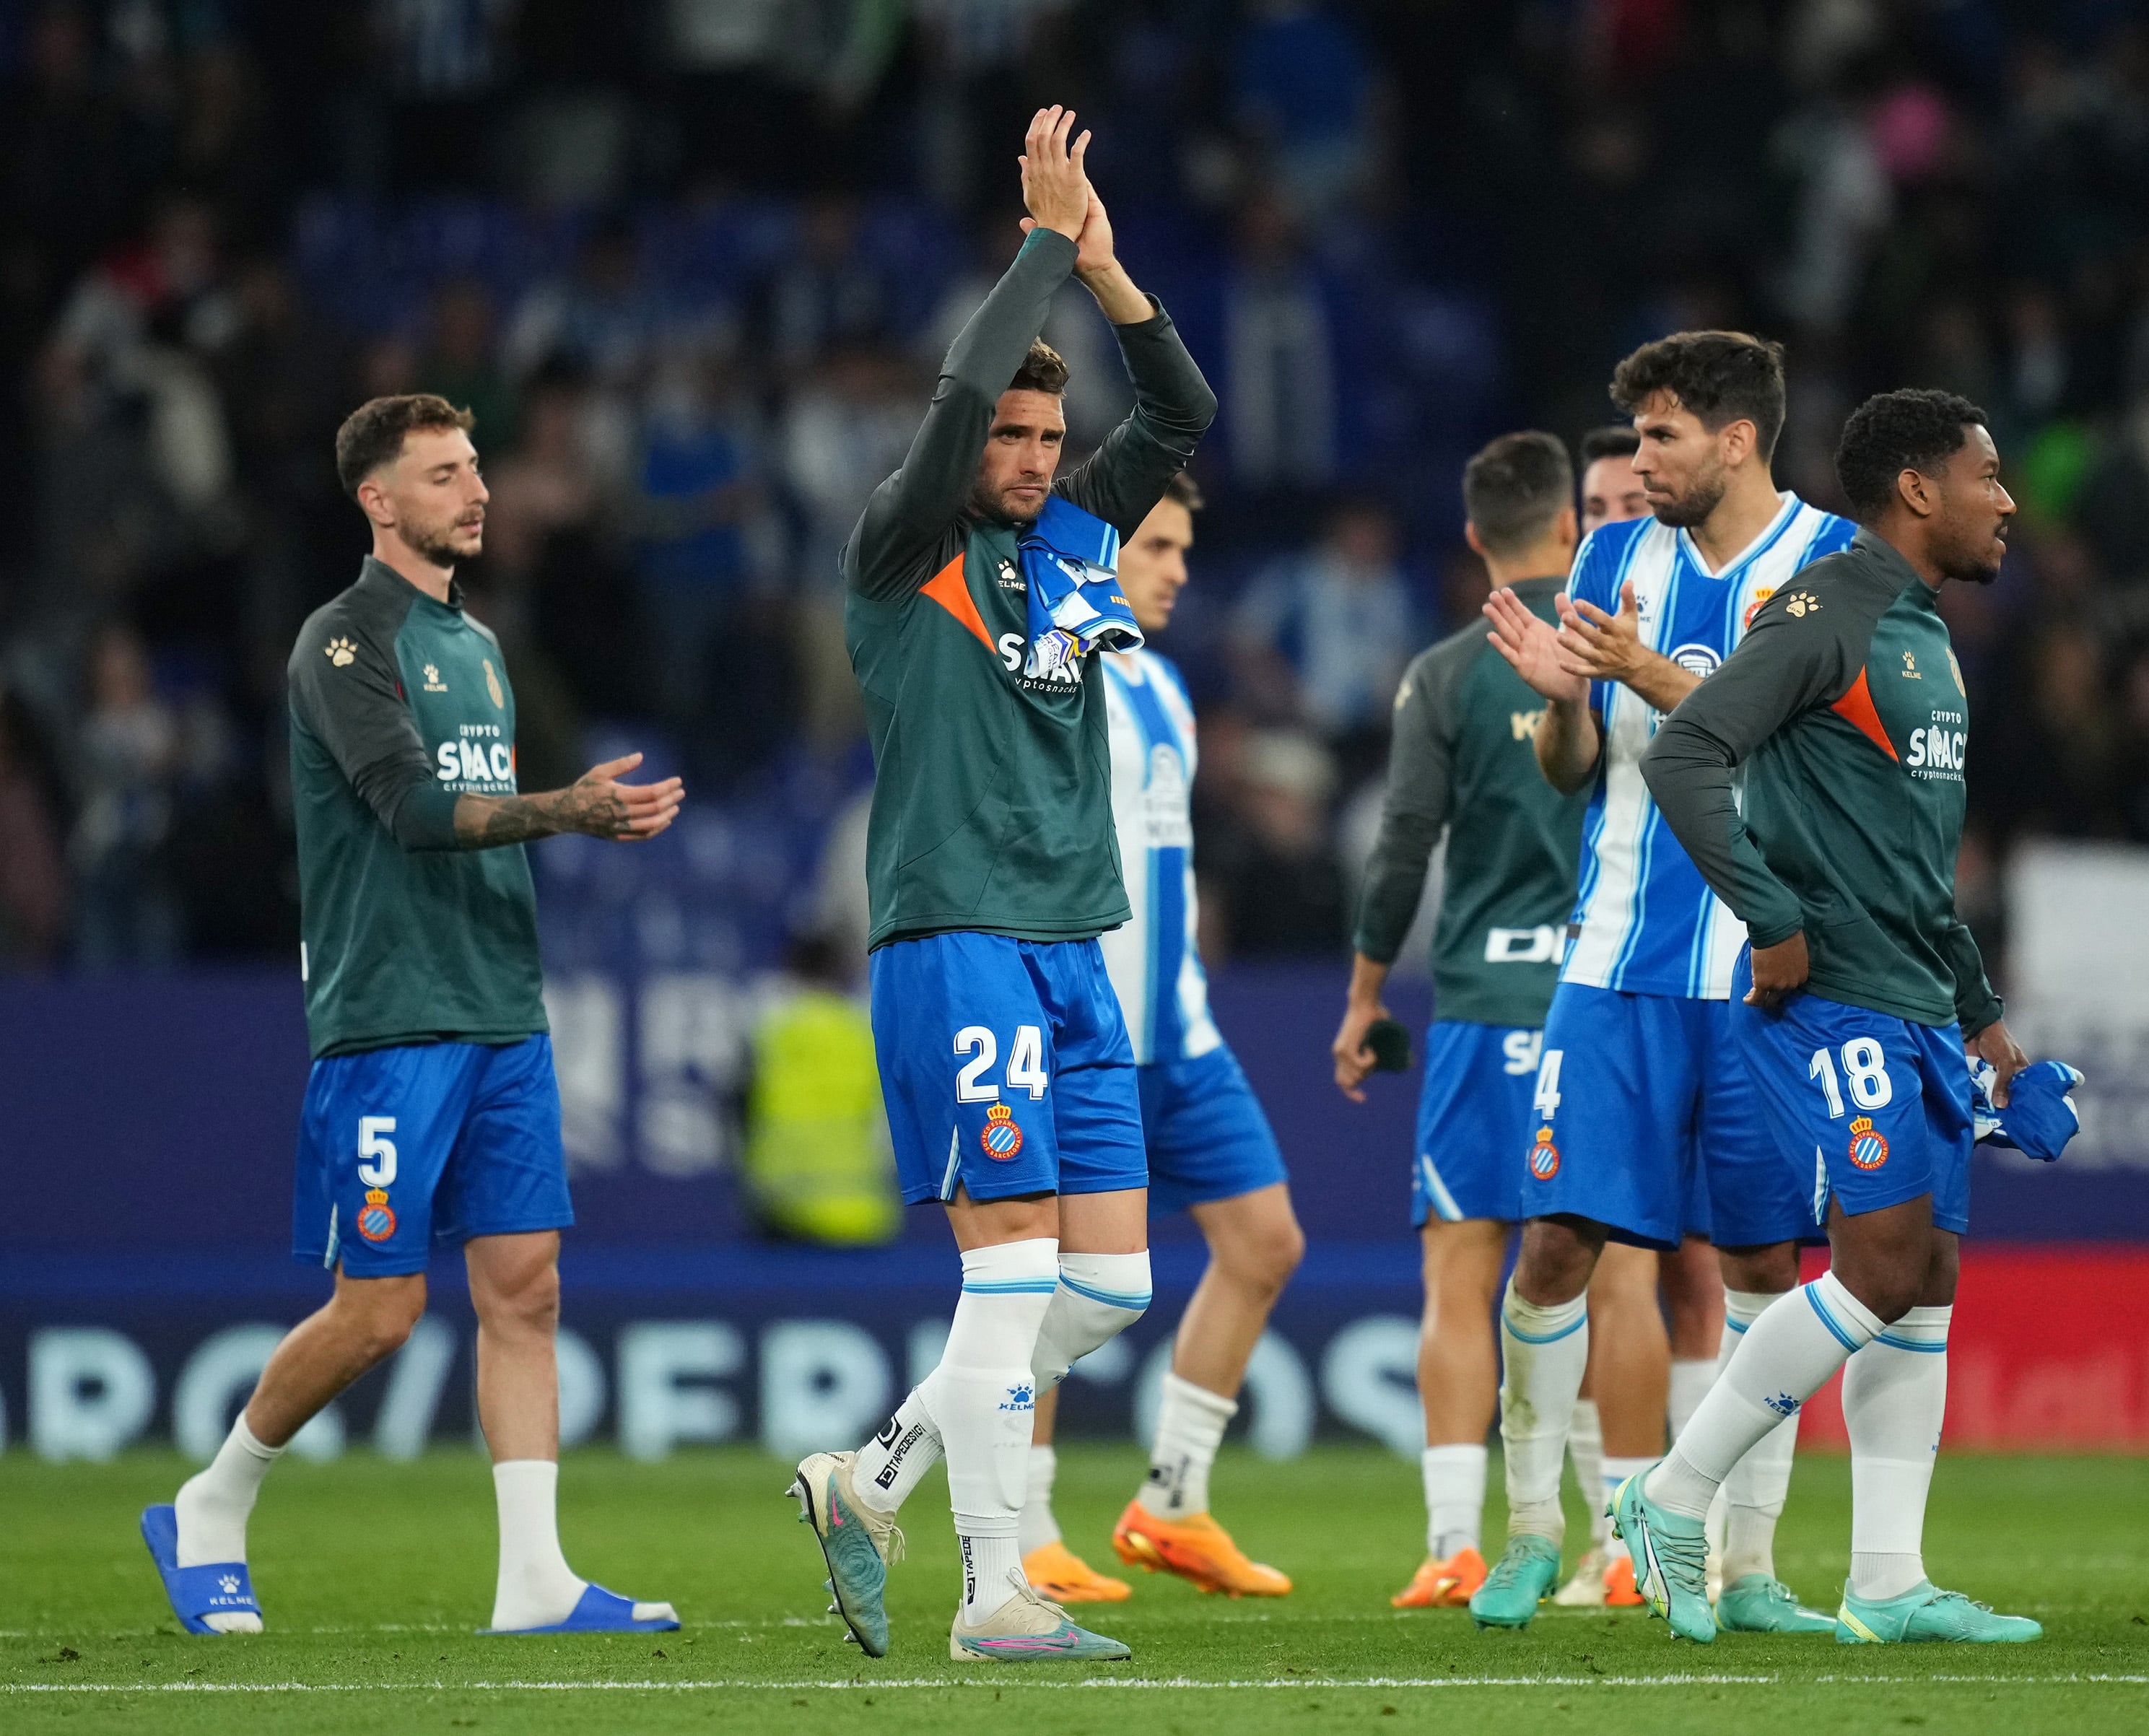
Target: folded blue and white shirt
1070,563
2040,1118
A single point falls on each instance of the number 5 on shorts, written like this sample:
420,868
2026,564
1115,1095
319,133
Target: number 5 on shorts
376,1156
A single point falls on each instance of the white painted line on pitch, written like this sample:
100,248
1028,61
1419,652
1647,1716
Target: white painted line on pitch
996,1680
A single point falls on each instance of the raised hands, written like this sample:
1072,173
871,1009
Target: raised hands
1533,647
1055,187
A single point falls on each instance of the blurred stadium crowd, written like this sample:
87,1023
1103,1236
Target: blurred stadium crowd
694,262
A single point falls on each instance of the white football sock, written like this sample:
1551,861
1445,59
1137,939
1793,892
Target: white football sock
1454,1498
212,1508
1617,1471
987,1561
983,1396
1189,1427
535,1588
1037,1527
1585,1446
1782,1361
1692,1376
890,1464
1894,1393
1100,1296
1753,1493
1545,1351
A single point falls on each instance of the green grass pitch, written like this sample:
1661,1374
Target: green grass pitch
373,1575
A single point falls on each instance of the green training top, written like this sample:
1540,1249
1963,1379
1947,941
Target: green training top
1846,706
399,705
1463,757
992,810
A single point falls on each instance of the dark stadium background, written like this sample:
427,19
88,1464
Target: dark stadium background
693,263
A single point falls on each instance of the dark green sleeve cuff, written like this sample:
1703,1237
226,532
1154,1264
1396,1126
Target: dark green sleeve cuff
425,817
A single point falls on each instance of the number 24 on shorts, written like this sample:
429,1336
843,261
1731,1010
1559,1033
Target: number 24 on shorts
1025,1066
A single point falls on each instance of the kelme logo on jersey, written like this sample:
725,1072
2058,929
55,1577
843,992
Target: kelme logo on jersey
376,1222
1544,1156
492,686
1869,1148
1001,1138
341,652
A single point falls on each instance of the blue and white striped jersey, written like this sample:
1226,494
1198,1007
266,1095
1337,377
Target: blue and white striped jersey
1648,923
1154,964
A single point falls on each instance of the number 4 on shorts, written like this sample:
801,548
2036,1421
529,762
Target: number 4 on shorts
1546,1103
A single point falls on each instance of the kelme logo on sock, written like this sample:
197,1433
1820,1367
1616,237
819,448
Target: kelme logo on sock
1021,1397
1783,1404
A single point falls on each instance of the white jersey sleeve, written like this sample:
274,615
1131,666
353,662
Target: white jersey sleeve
1154,965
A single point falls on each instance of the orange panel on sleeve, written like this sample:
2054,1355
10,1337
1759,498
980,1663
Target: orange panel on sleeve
946,588
1857,705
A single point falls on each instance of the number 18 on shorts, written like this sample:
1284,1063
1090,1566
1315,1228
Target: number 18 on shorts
1005,1067
1876,1109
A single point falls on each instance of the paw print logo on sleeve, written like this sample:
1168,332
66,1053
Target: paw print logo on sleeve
341,652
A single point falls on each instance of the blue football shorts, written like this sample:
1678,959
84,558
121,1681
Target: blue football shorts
1473,1121
1866,1108
1635,1093
1006,1067
1207,1137
426,1142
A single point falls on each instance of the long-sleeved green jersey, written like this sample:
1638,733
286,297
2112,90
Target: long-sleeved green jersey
992,810
400,705
1463,759
1846,705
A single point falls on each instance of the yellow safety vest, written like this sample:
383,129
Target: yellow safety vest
818,1161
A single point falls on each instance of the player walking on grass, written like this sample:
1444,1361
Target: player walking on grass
1846,708
1210,1150
1639,1085
992,869
1460,762
431,1113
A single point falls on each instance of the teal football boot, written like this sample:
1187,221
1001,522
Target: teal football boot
1030,1629
1522,1577
1671,1560
858,1544
1755,1603
1926,1612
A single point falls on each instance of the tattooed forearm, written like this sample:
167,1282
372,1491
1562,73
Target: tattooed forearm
485,822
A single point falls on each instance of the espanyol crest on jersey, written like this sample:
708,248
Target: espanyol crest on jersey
1648,923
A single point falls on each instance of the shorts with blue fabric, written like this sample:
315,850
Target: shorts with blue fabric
1868,1109
1635,1092
1473,1122
424,1144
1207,1137
1005,1067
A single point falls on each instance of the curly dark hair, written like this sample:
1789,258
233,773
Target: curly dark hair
1042,370
1722,376
1514,488
372,435
1915,429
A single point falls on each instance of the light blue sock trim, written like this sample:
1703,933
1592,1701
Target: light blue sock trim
1928,1347
1828,1320
1580,1320
1738,1326
1009,1286
1133,1300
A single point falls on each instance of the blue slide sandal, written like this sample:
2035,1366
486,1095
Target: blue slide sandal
599,1611
213,1588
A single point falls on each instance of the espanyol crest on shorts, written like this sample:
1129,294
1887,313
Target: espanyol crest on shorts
1000,1137
1869,1148
1544,1156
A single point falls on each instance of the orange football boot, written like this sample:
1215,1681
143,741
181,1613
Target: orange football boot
1059,1573
1619,1593
1443,1584
1197,1549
